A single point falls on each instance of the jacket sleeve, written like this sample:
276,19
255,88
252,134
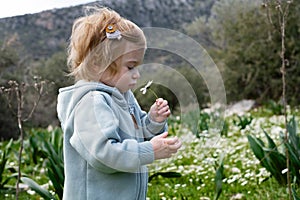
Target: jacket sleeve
96,138
150,127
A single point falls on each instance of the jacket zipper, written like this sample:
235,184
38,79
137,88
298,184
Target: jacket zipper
133,117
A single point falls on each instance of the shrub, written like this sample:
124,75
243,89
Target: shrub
275,161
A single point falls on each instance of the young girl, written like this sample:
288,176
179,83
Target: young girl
108,139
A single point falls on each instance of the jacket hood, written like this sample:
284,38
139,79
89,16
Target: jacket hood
68,97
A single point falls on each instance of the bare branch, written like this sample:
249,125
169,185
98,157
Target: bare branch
19,91
282,13
39,87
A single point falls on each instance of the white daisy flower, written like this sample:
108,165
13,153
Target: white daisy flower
144,89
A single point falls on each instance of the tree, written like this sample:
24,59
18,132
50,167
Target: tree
243,44
8,127
54,70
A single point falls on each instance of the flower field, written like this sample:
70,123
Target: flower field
208,166
197,161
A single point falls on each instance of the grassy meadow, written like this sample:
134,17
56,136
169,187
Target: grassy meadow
193,173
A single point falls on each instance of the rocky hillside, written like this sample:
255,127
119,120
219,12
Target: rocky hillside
40,35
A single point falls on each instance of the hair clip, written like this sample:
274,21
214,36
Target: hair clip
112,32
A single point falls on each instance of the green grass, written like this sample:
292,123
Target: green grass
197,161
10,194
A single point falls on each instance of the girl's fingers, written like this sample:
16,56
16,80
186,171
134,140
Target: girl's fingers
159,101
171,141
174,148
160,110
173,144
163,110
164,103
168,113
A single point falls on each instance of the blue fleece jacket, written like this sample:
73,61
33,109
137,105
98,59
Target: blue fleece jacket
106,147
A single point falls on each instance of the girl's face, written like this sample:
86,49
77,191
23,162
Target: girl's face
128,74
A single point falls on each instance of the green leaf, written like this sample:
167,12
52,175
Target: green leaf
57,184
9,144
170,174
165,175
293,155
256,147
38,189
14,175
219,179
277,163
295,196
34,147
293,137
271,143
3,161
2,165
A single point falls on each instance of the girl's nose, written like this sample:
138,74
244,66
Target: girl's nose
136,74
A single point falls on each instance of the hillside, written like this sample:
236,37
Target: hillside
40,35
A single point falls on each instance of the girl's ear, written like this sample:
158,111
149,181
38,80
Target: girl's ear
110,71
113,68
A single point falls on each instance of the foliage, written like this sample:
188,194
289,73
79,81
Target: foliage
36,187
21,98
274,107
244,45
202,168
293,147
224,131
195,172
219,178
204,124
16,94
243,121
54,70
204,121
5,153
8,128
8,125
191,120
274,160
269,158
165,175
52,152
235,33
8,58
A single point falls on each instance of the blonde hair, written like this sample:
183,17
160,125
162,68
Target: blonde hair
90,52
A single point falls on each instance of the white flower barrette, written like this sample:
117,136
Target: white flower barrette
112,32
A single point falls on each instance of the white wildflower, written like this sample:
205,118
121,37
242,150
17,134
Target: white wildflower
237,196
235,170
31,192
284,171
177,186
144,89
244,183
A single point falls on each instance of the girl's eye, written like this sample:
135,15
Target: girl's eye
130,67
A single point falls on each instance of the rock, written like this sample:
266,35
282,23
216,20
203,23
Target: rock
239,108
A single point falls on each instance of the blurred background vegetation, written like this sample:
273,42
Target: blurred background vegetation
235,33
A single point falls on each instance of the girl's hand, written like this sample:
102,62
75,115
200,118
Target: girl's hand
160,111
164,147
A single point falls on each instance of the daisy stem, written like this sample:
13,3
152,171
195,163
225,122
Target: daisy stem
153,92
